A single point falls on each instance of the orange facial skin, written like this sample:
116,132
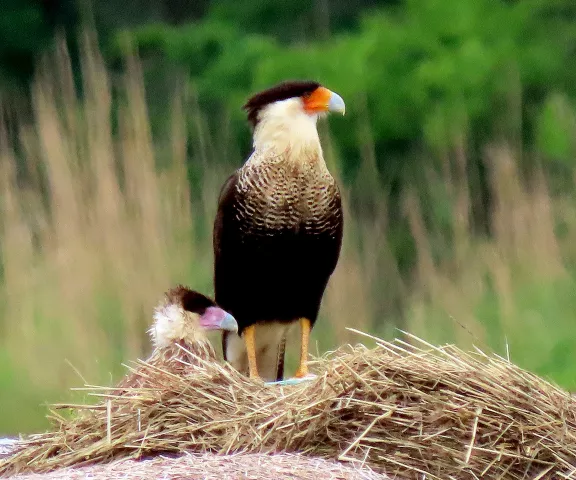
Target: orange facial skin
318,101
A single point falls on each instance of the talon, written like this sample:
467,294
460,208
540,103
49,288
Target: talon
293,381
302,371
255,376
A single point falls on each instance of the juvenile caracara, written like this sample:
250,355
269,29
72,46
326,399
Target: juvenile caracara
278,229
182,320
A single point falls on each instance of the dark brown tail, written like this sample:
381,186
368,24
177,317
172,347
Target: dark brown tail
280,360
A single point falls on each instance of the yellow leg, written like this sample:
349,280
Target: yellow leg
250,342
305,327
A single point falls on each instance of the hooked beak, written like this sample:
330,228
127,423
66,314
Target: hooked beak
217,319
336,104
324,100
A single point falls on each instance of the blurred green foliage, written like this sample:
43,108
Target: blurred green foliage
27,27
418,72
424,68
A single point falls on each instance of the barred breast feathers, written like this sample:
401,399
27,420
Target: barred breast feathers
285,182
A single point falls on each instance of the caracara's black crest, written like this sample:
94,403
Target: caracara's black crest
189,299
282,91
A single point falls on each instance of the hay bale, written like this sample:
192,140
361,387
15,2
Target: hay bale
7,446
215,467
401,410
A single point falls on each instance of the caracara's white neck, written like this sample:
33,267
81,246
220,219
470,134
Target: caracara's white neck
284,127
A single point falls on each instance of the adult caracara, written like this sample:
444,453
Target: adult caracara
179,333
278,230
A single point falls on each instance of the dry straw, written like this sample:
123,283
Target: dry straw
411,412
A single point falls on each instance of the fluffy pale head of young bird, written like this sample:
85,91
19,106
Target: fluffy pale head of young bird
181,321
184,316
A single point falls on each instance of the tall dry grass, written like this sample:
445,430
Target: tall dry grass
92,232
512,292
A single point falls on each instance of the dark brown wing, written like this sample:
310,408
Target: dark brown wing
225,203
224,239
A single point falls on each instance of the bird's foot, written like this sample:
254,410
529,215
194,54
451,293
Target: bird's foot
302,371
294,381
256,378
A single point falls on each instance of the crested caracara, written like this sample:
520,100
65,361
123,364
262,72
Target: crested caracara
178,334
278,229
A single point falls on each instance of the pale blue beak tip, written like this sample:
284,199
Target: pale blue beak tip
337,104
229,323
